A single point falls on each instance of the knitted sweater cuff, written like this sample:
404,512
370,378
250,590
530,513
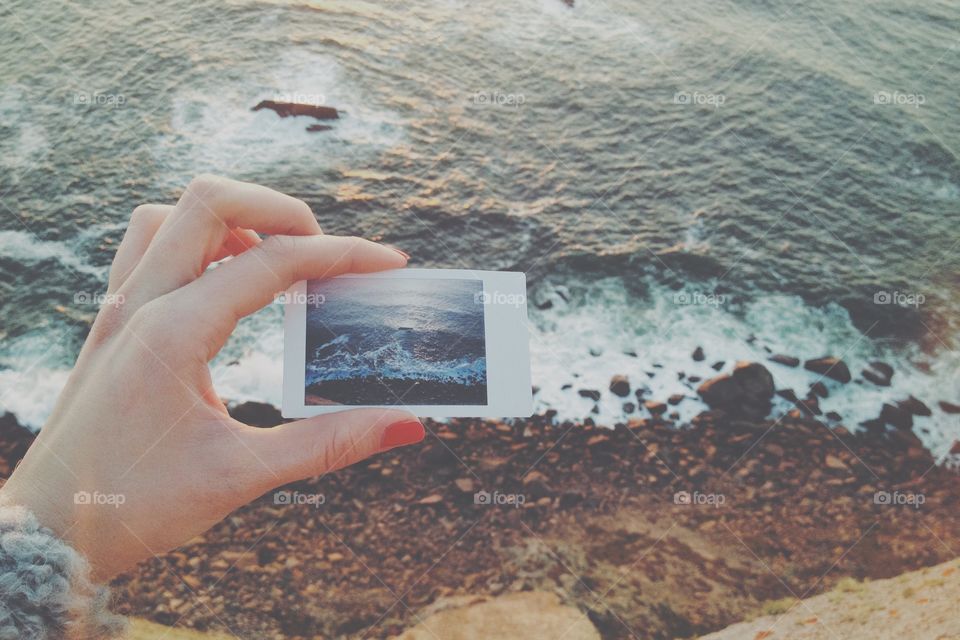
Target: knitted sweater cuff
45,587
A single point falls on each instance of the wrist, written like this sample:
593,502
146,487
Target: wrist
45,584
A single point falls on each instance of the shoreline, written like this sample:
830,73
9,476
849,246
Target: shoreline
633,512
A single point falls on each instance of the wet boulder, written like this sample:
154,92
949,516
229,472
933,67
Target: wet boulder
286,109
746,391
949,407
879,373
787,361
830,367
896,416
620,385
915,406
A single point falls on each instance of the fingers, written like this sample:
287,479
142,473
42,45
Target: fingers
322,444
193,233
143,225
250,281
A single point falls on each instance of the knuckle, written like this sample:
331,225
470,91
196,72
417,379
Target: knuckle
204,187
280,254
108,323
143,214
152,321
277,247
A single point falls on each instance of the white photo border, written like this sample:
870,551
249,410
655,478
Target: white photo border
506,334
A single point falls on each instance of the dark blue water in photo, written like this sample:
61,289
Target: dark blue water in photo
396,341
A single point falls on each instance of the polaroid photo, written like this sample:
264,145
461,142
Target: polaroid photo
437,342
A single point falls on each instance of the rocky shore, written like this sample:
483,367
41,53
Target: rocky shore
653,529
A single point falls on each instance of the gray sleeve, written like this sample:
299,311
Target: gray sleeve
45,587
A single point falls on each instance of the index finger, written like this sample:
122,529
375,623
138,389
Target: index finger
253,279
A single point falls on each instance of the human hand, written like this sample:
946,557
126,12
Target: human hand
139,426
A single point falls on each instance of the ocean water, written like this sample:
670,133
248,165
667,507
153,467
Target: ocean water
392,338
739,175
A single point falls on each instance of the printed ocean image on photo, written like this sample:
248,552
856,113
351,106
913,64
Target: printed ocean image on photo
393,341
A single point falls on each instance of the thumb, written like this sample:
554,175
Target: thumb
319,445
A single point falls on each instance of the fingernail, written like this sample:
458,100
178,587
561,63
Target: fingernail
400,434
403,253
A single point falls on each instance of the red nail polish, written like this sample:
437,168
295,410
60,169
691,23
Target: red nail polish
403,253
403,433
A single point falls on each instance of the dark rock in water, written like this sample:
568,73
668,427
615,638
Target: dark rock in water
535,390
631,353
596,409
314,128
834,416
872,376
676,398
257,414
788,361
544,305
716,366
593,394
915,406
819,389
681,375
566,386
698,354
694,379
596,352
882,368
830,367
879,373
746,391
788,394
655,408
875,426
620,385
285,109
810,405
896,416
657,365
949,407
955,449
629,407
639,393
